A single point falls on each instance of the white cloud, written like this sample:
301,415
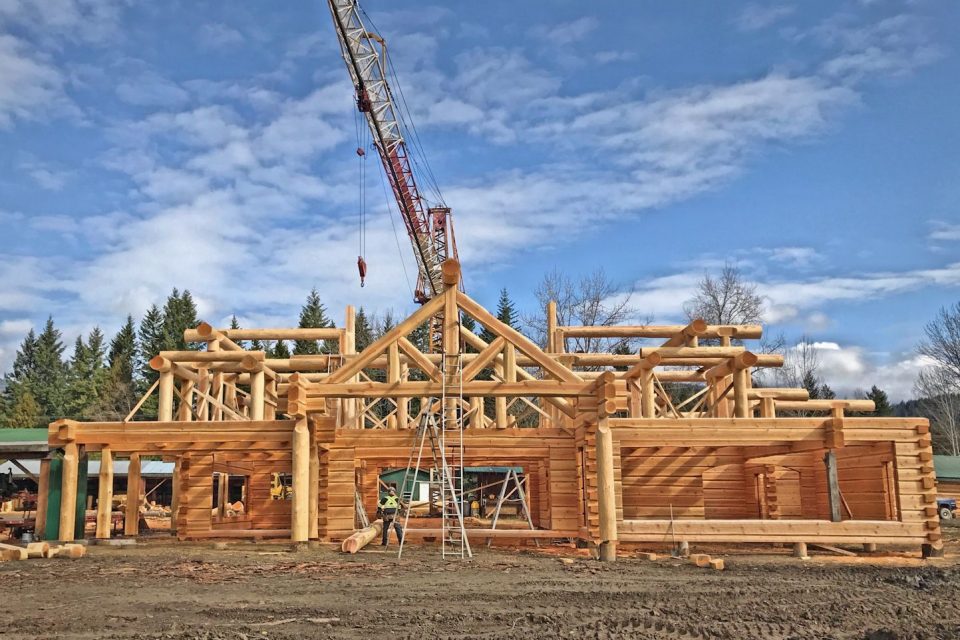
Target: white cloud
52,20
29,84
44,175
755,16
150,89
219,36
851,369
894,46
944,231
567,33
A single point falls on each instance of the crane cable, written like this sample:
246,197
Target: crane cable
362,133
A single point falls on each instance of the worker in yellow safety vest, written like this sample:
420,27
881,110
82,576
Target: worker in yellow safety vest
390,508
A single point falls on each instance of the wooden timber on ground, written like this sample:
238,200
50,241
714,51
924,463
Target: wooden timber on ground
673,444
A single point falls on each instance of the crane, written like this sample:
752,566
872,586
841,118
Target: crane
430,228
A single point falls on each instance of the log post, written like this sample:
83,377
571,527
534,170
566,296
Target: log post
741,403
223,489
257,387
348,347
105,494
43,497
175,496
68,491
768,408
552,411
393,376
833,486
314,493
185,410
648,398
403,406
300,507
450,270
131,520
500,403
165,397
509,375
606,492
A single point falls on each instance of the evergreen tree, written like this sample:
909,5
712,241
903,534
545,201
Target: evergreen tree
18,407
313,315
87,377
279,350
256,345
363,330
120,393
151,341
470,325
234,324
879,397
506,311
622,348
25,362
23,411
122,356
48,386
179,314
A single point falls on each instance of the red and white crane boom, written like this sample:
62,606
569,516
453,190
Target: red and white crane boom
430,228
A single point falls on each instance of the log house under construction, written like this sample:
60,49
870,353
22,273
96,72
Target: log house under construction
609,456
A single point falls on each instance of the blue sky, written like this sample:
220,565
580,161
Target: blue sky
211,146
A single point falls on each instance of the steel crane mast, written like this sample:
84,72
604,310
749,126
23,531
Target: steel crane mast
430,229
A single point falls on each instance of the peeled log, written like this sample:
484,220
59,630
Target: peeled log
38,550
362,537
68,551
11,552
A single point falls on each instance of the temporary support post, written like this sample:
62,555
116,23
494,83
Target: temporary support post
68,491
43,491
105,494
131,520
833,486
300,508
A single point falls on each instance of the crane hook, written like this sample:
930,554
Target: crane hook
362,268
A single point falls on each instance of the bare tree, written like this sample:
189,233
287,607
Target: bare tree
593,300
942,342
939,399
727,299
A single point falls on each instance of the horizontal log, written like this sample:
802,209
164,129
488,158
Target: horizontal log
212,356
740,331
329,333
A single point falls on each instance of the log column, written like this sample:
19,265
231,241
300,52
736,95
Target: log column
257,387
450,274
393,377
43,497
313,510
606,492
131,520
105,494
165,397
175,497
68,491
300,506
606,488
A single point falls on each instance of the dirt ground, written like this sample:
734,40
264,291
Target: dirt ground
246,590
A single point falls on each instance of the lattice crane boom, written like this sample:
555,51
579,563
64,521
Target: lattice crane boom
430,229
